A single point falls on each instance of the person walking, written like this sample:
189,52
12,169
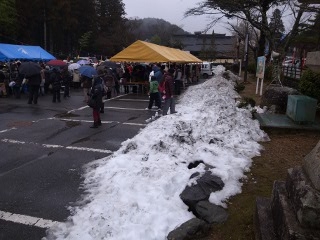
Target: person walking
154,93
95,102
169,101
55,79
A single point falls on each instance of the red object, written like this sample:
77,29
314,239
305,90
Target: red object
56,63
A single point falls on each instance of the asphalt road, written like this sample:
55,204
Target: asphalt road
43,149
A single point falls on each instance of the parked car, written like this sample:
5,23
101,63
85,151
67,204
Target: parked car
206,69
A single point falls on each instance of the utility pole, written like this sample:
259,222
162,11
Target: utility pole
45,25
246,56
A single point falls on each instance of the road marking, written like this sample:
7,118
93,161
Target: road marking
7,130
27,220
86,121
57,146
133,109
90,121
135,124
133,100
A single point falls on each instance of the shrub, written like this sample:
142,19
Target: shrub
310,84
239,87
247,101
252,67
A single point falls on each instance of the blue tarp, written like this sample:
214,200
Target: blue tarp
23,52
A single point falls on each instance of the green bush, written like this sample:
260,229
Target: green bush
252,68
239,87
310,84
247,101
268,72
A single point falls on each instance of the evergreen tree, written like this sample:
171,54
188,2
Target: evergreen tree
276,27
8,23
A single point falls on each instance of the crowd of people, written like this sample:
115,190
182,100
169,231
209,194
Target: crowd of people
163,83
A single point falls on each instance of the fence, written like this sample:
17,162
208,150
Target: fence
292,72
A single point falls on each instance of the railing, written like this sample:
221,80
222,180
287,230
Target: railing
292,72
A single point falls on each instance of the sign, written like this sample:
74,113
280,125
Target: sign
260,67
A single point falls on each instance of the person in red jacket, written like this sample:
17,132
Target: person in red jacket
169,101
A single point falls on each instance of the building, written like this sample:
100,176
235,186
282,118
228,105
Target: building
209,47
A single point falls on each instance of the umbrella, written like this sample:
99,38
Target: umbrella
56,63
29,68
74,66
109,64
83,62
88,71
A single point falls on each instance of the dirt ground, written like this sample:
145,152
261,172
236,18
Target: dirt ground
286,149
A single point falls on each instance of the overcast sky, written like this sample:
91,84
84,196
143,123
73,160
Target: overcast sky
171,11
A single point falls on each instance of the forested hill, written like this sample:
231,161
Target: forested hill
151,28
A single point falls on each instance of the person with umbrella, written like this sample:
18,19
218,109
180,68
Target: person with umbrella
31,71
87,73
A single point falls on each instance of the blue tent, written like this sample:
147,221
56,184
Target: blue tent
23,52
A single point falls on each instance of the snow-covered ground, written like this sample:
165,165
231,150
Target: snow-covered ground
134,193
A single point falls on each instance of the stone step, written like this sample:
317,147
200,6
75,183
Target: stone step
286,225
263,222
304,197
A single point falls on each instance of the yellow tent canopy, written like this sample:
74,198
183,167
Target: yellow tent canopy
141,51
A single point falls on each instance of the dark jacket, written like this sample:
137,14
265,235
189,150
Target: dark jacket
169,86
34,80
55,80
96,94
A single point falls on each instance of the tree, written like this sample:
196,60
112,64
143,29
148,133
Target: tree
8,23
276,26
256,13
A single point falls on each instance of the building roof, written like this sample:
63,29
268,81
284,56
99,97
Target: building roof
224,46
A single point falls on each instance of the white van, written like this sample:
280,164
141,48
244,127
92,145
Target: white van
206,69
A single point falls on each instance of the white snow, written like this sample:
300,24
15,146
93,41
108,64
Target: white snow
134,193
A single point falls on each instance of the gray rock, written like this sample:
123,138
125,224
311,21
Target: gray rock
263,222
211,213
311,165
304,198
278,96
286,225
206,184
190,229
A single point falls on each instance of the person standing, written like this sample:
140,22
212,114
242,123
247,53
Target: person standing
154,93
95,102
109,82
66,79
178,81
43,79
33,87
168,93
55,79
86,85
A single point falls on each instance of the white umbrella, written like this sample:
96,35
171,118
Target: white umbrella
73,66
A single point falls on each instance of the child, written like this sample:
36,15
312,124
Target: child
154,93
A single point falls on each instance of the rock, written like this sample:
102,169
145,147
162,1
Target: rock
211,213
278,96
206,184
286,225
304,198
263,223
311,164
190,229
